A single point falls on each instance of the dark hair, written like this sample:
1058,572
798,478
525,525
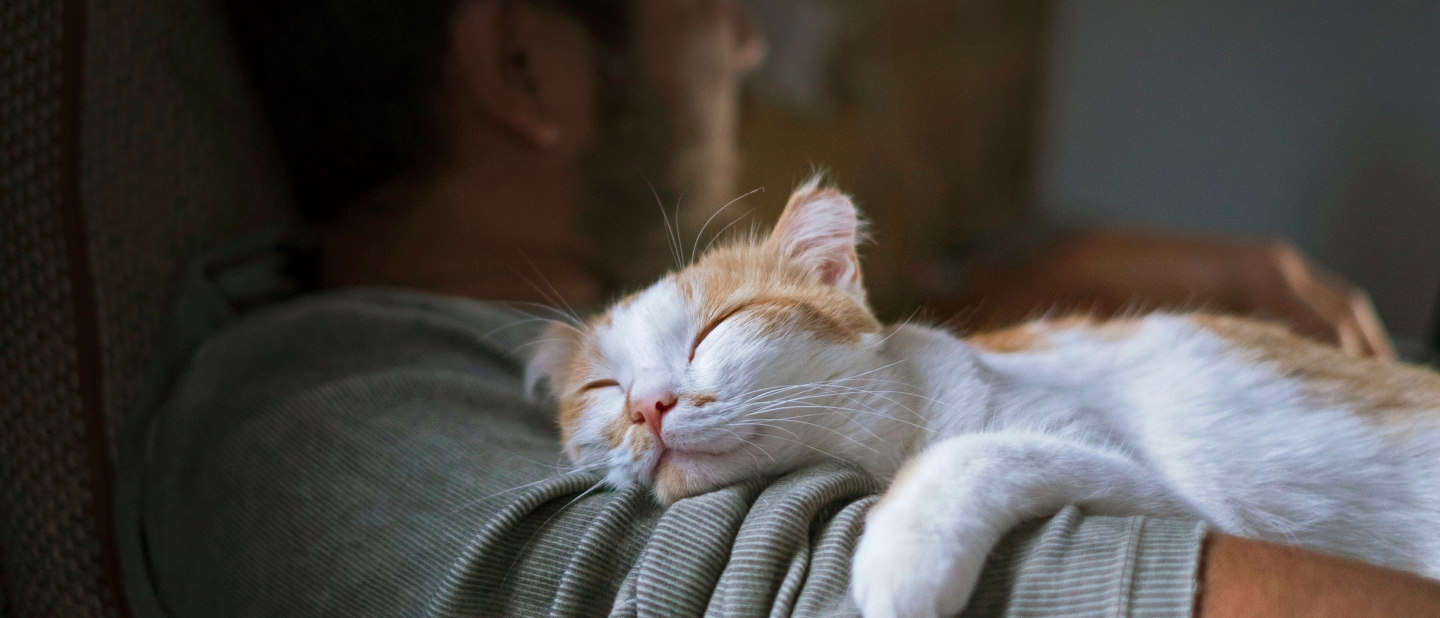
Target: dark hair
346,85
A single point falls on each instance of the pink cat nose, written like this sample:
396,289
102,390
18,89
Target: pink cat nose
650,407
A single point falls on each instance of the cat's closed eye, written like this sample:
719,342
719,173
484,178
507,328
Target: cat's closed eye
589,386
709,326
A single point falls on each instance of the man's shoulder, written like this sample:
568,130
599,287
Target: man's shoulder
350,334
321,324
249,329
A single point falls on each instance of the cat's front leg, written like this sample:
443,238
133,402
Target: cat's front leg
927,539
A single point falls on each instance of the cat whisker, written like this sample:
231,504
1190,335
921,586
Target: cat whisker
812,400
850,395
679,237
816,425
912,393
895,329
721,234
537,342
749,443
869,412
471,503
760,394
532,318
761,423
813,448
671,236
807,401
830,380
569,320
835,386
541,528
848,409
511,325
797,419
559,298
701,233
821,390
846,392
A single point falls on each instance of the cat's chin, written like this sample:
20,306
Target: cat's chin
682,473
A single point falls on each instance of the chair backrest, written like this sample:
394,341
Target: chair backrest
129,142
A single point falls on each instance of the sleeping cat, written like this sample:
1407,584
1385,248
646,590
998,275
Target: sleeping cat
763,357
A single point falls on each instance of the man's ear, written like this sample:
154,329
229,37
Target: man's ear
525,65
820,229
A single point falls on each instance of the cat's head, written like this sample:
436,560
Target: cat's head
724,370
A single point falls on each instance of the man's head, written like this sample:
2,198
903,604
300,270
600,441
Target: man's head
381,105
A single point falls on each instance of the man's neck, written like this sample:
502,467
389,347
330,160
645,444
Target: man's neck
490,236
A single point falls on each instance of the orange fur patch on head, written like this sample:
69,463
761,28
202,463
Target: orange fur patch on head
777,315
1388,392
700,399
781,296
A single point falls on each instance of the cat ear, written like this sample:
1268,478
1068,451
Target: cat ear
820,228
550,358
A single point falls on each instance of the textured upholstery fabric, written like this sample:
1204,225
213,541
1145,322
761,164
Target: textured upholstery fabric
169,157
48,548
174,158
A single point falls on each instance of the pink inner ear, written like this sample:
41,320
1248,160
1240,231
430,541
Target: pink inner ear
820,227
840,271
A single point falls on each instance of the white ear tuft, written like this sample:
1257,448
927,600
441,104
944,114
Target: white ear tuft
820,229
551,358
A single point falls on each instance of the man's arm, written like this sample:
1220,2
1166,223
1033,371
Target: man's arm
1241,578
1106,272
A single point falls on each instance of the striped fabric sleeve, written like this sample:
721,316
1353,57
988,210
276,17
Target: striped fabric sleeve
1075,566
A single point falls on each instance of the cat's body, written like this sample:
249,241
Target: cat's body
1165,415
762,358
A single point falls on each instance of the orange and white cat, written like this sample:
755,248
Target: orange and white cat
763,357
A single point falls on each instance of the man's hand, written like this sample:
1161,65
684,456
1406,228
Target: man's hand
1108,272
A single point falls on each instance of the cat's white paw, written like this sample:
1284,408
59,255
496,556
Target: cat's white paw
912,564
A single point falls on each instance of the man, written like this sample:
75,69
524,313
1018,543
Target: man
366,450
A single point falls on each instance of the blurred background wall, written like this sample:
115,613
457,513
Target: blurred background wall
1318,122
925,110
1315,121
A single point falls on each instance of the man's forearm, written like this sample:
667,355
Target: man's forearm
1105,273
1243,578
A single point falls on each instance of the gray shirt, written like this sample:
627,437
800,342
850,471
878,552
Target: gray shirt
369,452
